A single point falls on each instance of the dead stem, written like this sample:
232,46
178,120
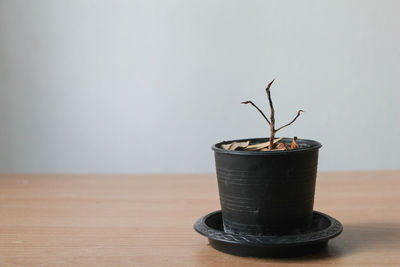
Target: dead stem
295,118
272,117
262,113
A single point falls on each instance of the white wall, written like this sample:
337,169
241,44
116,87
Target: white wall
149,86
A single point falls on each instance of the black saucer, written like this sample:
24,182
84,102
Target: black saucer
303,242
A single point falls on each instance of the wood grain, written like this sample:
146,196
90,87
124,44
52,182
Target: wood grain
146,220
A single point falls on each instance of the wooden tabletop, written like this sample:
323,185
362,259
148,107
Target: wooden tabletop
147,220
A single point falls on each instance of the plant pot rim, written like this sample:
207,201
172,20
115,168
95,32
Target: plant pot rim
311,145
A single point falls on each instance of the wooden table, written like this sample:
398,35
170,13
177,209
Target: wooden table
146,220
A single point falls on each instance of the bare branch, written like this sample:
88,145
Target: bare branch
270,100
270,83
295,118
262,113
272,117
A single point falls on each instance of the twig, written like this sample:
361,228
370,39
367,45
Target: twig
262,113
295,118
272,124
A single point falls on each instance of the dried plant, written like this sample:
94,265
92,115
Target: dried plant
271,120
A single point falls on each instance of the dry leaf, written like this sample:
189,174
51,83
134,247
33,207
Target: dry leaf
294,145
262,145
281,146
236,145
226,146
258,146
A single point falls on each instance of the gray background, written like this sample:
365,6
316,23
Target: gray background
149,86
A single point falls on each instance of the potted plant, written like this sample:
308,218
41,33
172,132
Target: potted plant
266,189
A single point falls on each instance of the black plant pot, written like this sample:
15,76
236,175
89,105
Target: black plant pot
269,192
